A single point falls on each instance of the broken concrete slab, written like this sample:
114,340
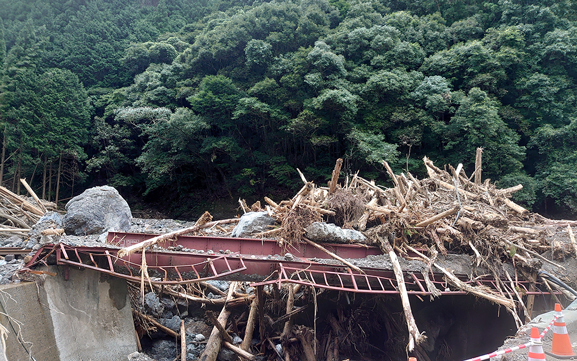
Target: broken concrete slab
96,211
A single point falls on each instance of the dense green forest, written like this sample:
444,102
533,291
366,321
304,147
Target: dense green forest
186,100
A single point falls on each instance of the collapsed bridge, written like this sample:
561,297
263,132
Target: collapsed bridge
189,259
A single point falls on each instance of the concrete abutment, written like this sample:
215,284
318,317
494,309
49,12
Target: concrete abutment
81,316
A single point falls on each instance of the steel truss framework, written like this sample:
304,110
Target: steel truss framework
168,267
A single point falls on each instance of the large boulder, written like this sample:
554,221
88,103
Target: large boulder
252,222
330,233
95,211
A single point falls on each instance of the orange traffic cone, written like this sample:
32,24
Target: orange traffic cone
412,359
536,349
561,343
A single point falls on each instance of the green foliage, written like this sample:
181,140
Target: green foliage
234,95
478,124
2,45
372,148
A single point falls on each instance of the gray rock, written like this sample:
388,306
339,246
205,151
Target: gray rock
172,323
252,222
137,356
97,210
199,337
152,304
236,340
226,355
51,220
9,242
163,350
8,257
330,233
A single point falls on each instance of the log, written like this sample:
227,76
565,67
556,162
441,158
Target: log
302,193
415,337
272,203
365,217
15,230
165,329
149,242
212,318
33,194
335,178
240,352
465,287
249,329
289,307
352,266
15,220
214,289
18,201
243,205
510,190
438,217
302,176
261,325
478,165
462,191
213,344
524,230
379,209
517,208
572,238
211,301
52,232
286,316
182,341
438,242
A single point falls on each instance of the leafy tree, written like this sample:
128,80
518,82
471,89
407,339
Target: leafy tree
477,123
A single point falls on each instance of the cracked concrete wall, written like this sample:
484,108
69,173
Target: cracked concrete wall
91,316
24,311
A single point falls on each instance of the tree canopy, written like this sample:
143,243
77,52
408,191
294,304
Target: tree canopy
231,96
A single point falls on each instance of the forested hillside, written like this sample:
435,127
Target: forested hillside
171,99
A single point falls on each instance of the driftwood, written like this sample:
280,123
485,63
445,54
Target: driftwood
478,165
234,301
18,201
182,341
415,337
248,332
352,266
165,329
33,194
483,293
335,177
289,307
213,344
